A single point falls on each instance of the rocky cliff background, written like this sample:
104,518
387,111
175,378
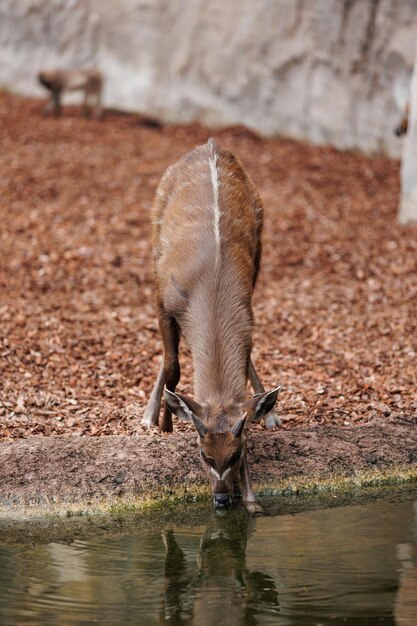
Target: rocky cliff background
334,71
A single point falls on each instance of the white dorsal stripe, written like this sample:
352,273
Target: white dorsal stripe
216,207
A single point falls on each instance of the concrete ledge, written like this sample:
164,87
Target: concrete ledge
72,474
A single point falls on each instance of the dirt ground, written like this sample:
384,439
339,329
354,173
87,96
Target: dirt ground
335,306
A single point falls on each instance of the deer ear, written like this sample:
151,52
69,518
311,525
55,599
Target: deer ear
200,426
181,406
239,426
263,403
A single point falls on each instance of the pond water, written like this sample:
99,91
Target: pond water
353,565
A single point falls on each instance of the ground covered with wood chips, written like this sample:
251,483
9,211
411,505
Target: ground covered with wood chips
335,306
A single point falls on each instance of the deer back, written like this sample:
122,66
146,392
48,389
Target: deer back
207,222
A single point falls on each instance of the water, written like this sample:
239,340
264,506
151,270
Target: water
354,566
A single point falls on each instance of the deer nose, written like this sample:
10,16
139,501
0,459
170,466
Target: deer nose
221,500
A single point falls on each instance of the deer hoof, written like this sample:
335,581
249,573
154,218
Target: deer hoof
150,419
146,421
272,420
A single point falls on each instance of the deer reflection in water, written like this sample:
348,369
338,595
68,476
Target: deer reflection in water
222,590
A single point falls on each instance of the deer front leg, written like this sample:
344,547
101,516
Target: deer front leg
151,415
248,496
272,419
56,102
170,336
85,110
98,111
49,108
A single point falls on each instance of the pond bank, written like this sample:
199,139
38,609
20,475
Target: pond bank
43,475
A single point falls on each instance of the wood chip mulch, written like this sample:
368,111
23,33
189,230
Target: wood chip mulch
335,307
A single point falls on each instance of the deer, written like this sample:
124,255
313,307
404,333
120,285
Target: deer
88,81
207,219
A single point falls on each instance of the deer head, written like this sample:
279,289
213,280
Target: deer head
221,436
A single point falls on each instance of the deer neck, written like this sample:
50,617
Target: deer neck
220,342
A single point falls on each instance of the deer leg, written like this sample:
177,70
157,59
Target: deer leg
272,419
255,381
49,108
56,102
84,110
151,415
248,496
98,112
170,336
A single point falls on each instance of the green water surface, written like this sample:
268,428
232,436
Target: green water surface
352,565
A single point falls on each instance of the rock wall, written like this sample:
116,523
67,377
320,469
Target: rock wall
333,71
408,200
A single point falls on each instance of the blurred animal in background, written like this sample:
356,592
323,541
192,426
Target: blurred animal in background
57,82
401,129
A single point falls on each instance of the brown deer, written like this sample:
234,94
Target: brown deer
207,221
90,82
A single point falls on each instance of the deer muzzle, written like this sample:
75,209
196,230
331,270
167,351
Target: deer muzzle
221,499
